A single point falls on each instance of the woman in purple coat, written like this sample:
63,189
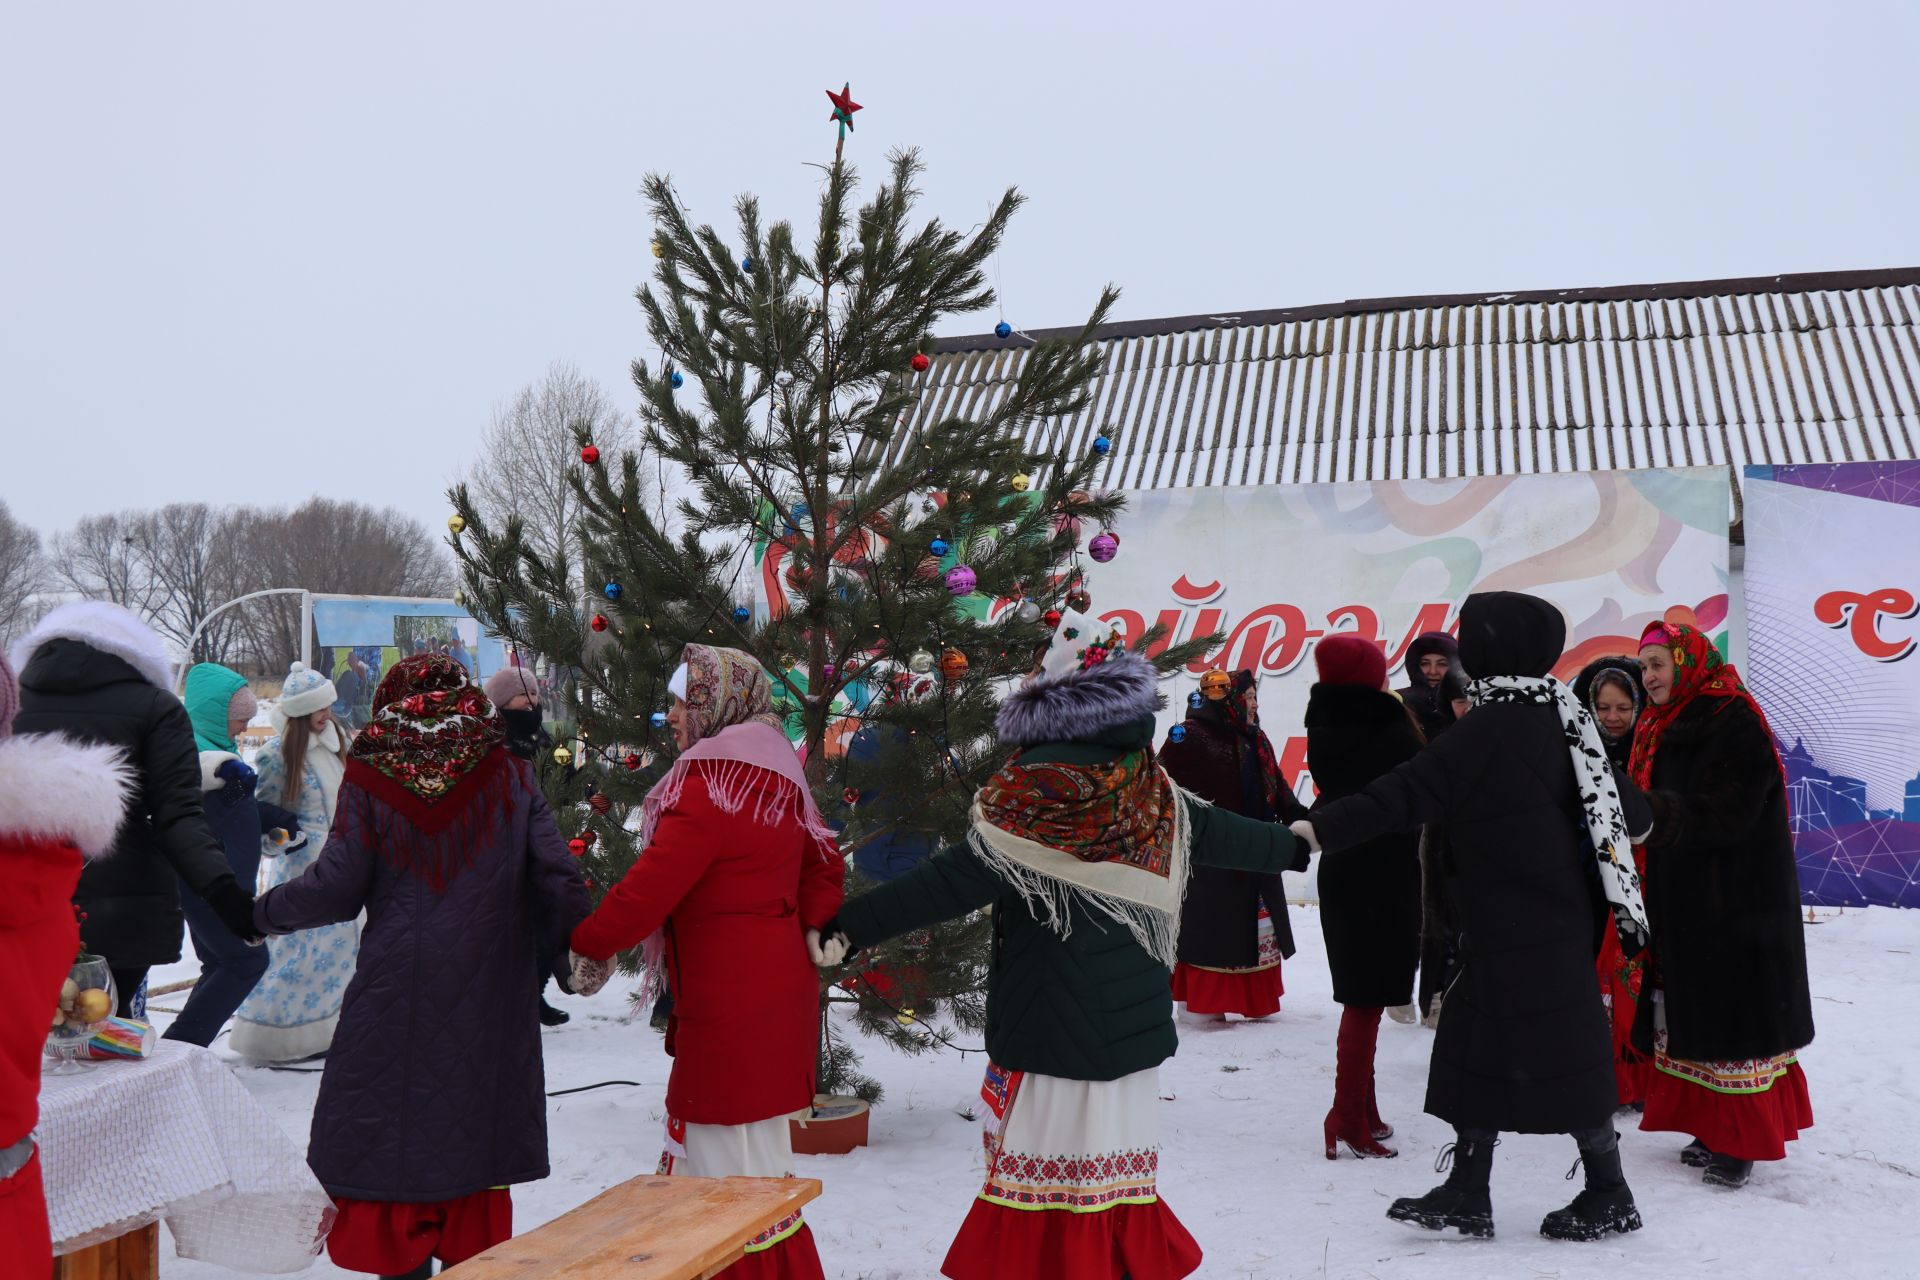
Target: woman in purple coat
445,841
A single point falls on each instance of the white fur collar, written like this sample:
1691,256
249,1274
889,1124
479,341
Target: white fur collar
210,761
106,627
54,788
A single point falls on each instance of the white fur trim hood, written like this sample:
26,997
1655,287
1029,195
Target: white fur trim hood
54,788
106,627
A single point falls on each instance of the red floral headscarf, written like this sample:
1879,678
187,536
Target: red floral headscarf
725,687
1698,672
432,750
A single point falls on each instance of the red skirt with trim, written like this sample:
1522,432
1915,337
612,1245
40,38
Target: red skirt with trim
1251,993
1138,1241
1620,983
1755,1124
794,1257
391,1238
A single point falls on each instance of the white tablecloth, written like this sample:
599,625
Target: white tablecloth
176,1137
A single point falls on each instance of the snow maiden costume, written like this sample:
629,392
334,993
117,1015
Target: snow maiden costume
433,1102
60,804
292,1013
1539,861
735,867
1234,930
1082,847
1728,968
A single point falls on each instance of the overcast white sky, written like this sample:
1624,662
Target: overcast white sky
261,251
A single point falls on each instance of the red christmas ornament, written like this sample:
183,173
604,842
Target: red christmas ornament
920,362
599,803
633,760
590,454
851,795
591,836
1051,617
577,847
599,622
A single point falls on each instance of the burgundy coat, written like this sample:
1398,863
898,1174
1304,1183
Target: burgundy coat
434,1086
735,897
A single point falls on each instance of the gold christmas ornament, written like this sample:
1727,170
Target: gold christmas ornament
659,249
1021,483
455,523
1216,685
562,757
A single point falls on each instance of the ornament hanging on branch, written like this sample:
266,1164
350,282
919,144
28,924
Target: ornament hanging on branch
741,613
611,591
1177,734
633,761
678,380
1103,547
953,664
599,622
920,362
590,454
921,662
1003,331
1021,482
1102,446
562,757
599,803
455,523
961,580
577,847
658,719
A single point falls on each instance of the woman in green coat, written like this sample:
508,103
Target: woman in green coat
1082,847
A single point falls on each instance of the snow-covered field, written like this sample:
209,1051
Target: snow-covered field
1241,1160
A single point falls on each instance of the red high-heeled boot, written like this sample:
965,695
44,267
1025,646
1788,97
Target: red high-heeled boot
1351,1120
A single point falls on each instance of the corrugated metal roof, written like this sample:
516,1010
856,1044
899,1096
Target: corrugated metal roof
1787,369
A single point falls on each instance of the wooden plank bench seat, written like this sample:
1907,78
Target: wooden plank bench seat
649,1228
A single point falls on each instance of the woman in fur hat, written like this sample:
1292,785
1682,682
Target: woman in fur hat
60,804
1539,864
292,1013
1234,930
1082,846
1370,895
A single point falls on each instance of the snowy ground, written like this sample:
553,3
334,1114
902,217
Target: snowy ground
1241,1162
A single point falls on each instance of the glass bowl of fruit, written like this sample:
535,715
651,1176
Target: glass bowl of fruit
86,1001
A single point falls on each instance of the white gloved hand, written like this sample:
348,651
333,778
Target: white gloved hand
1305,831
588,975
834,950
814,953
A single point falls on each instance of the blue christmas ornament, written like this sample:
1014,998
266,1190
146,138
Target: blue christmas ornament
1003,330
741,613
612,590
1194,700
679,380
937,547
658,719
1177,734
746,265
1101,445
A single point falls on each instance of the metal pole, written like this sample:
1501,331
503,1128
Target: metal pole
306,629
194,639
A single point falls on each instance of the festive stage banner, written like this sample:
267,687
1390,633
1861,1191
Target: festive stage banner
1831,582
1277,568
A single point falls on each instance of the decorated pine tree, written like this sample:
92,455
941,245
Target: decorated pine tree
892,589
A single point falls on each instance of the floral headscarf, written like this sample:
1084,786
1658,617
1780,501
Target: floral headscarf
725,687
1698,672
429,754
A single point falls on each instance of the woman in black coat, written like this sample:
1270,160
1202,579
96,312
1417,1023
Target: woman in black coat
1522,1044
96,673
1729,960
1370,894
1234,930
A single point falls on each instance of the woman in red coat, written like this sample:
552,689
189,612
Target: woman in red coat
736,874
60,802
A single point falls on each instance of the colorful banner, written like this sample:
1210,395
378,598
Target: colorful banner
360,637
1276,568
1831,582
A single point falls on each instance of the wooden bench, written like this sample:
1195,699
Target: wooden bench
651,1228
133,1256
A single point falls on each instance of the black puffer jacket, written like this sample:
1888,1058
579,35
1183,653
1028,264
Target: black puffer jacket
131,896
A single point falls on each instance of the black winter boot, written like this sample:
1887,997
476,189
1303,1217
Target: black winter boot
1605,1205
1725,1171
1695,1155
1462,1201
